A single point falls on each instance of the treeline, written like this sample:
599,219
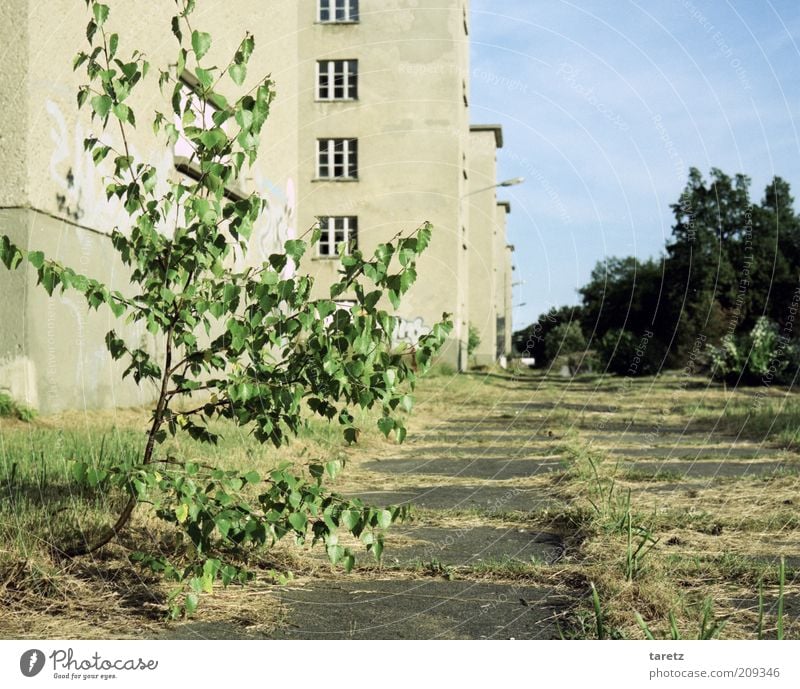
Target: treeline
722,297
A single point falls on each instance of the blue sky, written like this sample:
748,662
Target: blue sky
606,105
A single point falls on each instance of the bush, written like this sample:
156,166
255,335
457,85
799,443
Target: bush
566,339
10,408
761,356
624,353
473,340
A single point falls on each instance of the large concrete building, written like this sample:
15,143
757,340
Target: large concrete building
369,135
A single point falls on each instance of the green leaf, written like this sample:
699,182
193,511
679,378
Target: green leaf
121,111
252,477
190,604
377,548
201,42
349,562
101,105
100,13
383,518
298,521
36,259
113,43
335,553
349,519
386,425
238,73
295,248
9,253
205,76
182,512
79,472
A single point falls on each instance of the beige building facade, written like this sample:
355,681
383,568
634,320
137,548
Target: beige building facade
369,136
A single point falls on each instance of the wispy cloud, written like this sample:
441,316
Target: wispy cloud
605,107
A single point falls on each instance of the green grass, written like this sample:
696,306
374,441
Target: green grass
9,408
661,556
749,416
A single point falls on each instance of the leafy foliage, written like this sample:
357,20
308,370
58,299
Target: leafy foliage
474,339
764,355
565,338
13,409
245,344
625,353
729,262
531,341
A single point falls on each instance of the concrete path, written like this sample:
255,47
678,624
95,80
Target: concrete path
462,569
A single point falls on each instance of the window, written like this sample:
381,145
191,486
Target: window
337,158
338,10
337,79
335,232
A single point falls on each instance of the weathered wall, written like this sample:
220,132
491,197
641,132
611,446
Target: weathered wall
508,303
14,103
411,123
414,147
502,280
481,239
52,351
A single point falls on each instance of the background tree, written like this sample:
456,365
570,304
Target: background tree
530,341
728,264
566,339
702,280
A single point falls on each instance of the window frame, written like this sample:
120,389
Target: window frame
347,74
328,228
327,11
327,152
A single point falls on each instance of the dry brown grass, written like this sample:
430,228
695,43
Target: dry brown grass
716,540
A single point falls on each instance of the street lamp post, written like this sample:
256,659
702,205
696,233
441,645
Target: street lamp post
505,183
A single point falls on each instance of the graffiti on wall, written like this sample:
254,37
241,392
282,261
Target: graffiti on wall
277,225
80,186
409,331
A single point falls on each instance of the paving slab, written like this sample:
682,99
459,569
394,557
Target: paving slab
469,546
214,631
534,449
491,499
711,469
418,609
693,452
485,467
487,437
